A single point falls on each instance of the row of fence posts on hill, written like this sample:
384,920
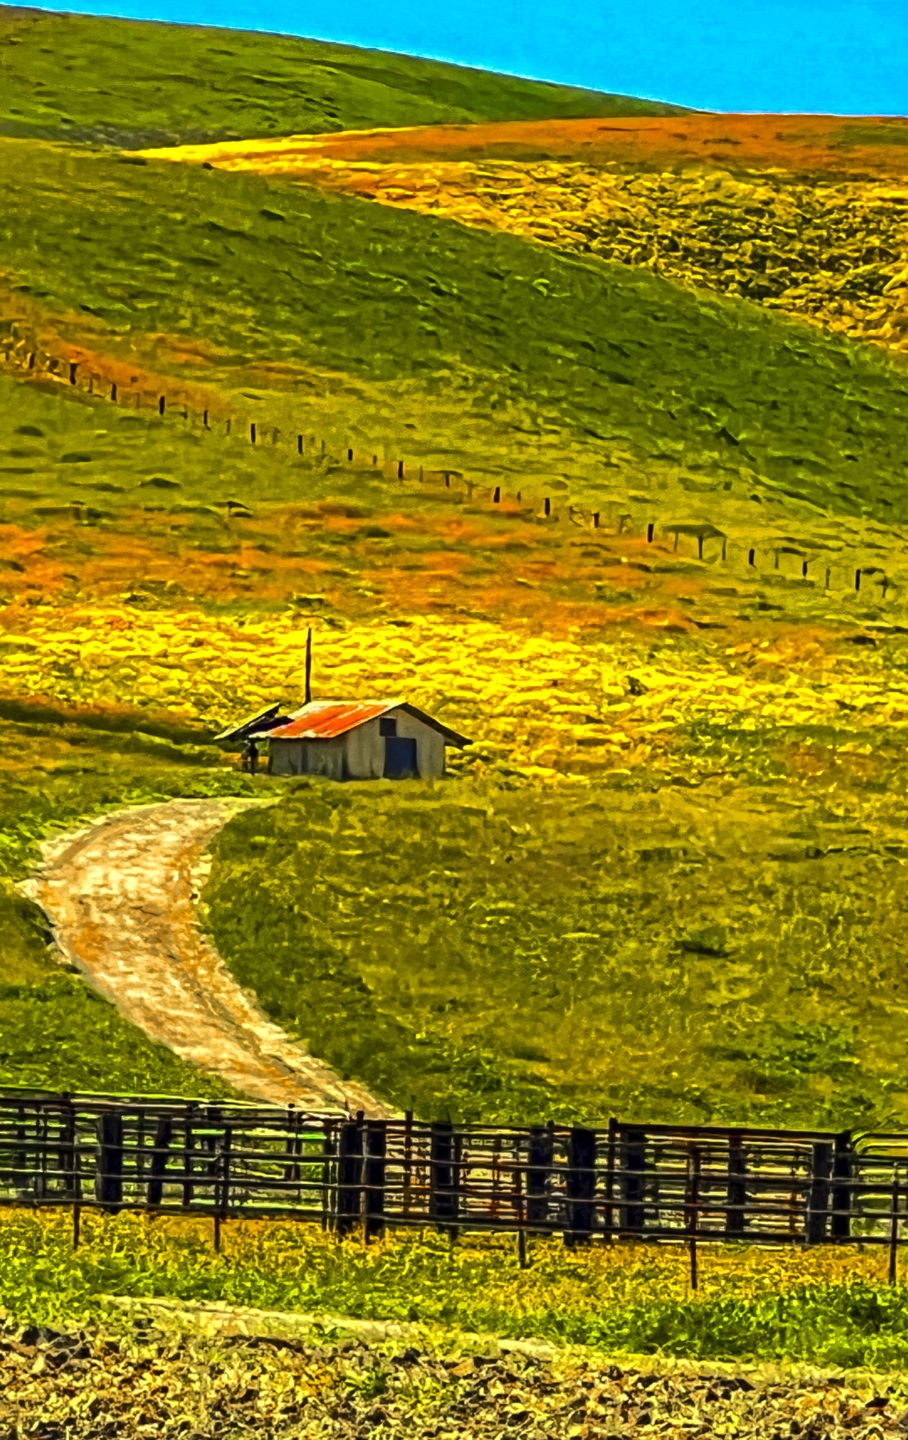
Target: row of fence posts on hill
686,1185
34,361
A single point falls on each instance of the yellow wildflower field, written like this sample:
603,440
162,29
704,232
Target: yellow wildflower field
544,704
833,252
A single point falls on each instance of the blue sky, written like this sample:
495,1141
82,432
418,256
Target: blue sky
840,56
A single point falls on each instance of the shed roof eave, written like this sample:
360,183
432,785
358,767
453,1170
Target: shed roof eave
452,737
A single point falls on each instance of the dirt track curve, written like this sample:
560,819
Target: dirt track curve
119,895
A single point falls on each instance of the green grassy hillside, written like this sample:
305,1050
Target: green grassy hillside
722,956
132,83
442,343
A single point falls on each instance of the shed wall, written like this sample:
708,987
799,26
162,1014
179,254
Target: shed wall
365,752
308,757
360,754
430,746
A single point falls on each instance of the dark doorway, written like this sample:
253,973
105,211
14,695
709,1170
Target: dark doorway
400,758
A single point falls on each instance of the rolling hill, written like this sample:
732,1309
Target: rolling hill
129,83
551,411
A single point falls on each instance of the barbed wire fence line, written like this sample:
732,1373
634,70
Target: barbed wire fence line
815,567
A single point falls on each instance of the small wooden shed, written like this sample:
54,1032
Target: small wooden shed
360,740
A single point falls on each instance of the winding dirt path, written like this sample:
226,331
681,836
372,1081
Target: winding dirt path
119,895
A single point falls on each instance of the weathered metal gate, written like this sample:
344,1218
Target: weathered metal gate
625,1180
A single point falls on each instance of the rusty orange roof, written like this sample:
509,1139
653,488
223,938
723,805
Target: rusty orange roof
325,719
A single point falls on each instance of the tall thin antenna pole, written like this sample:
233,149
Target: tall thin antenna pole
309,665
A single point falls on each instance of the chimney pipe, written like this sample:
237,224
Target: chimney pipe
309,665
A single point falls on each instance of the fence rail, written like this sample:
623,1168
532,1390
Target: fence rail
624,1180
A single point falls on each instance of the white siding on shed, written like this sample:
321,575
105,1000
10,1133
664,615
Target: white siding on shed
308,757
365,752
360,754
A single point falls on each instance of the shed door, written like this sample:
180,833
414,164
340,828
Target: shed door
400,758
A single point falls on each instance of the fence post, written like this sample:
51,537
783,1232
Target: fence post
222,1200
408,1161
444,1176
736,1194
159,1155
842,1172
520,1207
611,1159
109,1160
632,1181
188,1168
66,1160
328,1153
894,1227
818,1193
349,1175
581,1186
693,1211
375,1168
539,1175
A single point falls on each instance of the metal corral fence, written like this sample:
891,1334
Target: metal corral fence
659,1182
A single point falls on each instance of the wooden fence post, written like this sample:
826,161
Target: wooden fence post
349,1176
842,1173
408,1162
109,1159
375,1169
693,1211
581,1186
222,1187
633,1219
736,1193
520,1207
539,1175
444,1176
21,1172
894,1227
66,1159
160,1151
188,1149
329,1150
818,1193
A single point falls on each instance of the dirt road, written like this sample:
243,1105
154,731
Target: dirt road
119,895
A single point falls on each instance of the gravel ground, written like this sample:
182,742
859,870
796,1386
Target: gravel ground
146,1383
